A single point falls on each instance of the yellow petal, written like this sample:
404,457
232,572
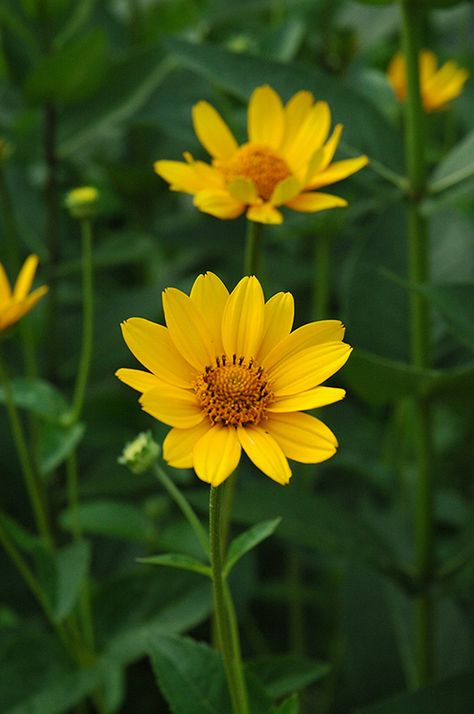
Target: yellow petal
310,137
266,454
172,405
180,176
302,437
337,171
25,277
428,63
310,335
243,189
178,445
313,202
310,399
210,295
296,112
278,320
308,368
151,344
187,328
329,148
219,204
9,315
137,379
213,132
265,213
285,190
216,454
397,76
5,290
266,122
243,318
16,310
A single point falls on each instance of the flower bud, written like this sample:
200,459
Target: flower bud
140,454
82,202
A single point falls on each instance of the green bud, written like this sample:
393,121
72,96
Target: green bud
140,454
82,202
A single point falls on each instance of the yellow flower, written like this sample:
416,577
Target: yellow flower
437,86
13,305
287,157
229,374
82,202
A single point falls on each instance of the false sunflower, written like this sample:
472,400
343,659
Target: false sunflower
437,86
17,302
227,373
287,158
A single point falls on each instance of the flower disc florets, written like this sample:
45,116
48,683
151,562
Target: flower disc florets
260,164
233,392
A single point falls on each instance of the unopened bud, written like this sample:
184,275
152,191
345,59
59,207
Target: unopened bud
140,454
82,202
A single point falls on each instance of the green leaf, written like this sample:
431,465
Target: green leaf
37,396
177,560
56,443
379,380
191,678
457,165
456,304
281,675
289,706
455,695
364,127
244,542
110,518
190,675
72,566
24,539
72,74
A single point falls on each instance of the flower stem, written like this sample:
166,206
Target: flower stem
184,506
224,611
322,270
87,322
418,258
31,482
253,246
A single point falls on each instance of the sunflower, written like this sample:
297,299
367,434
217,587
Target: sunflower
227,373
288,156
437,86
14,304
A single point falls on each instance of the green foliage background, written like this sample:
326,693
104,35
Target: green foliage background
115,82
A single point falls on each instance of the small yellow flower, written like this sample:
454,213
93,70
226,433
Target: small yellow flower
287,157
437,86
14,304
82,202
227,373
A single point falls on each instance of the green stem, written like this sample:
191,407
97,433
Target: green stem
87,322
184,507
253,246
31,482
224,611
418,258
322,269
32,582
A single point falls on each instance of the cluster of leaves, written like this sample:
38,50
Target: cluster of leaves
114,83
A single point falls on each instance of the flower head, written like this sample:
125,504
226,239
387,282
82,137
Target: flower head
82,202
227,373
14,304
287,157
437,86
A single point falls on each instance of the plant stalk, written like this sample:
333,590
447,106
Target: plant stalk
418,260
227,628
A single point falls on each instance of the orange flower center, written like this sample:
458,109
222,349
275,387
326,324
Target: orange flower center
260,164
233,392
